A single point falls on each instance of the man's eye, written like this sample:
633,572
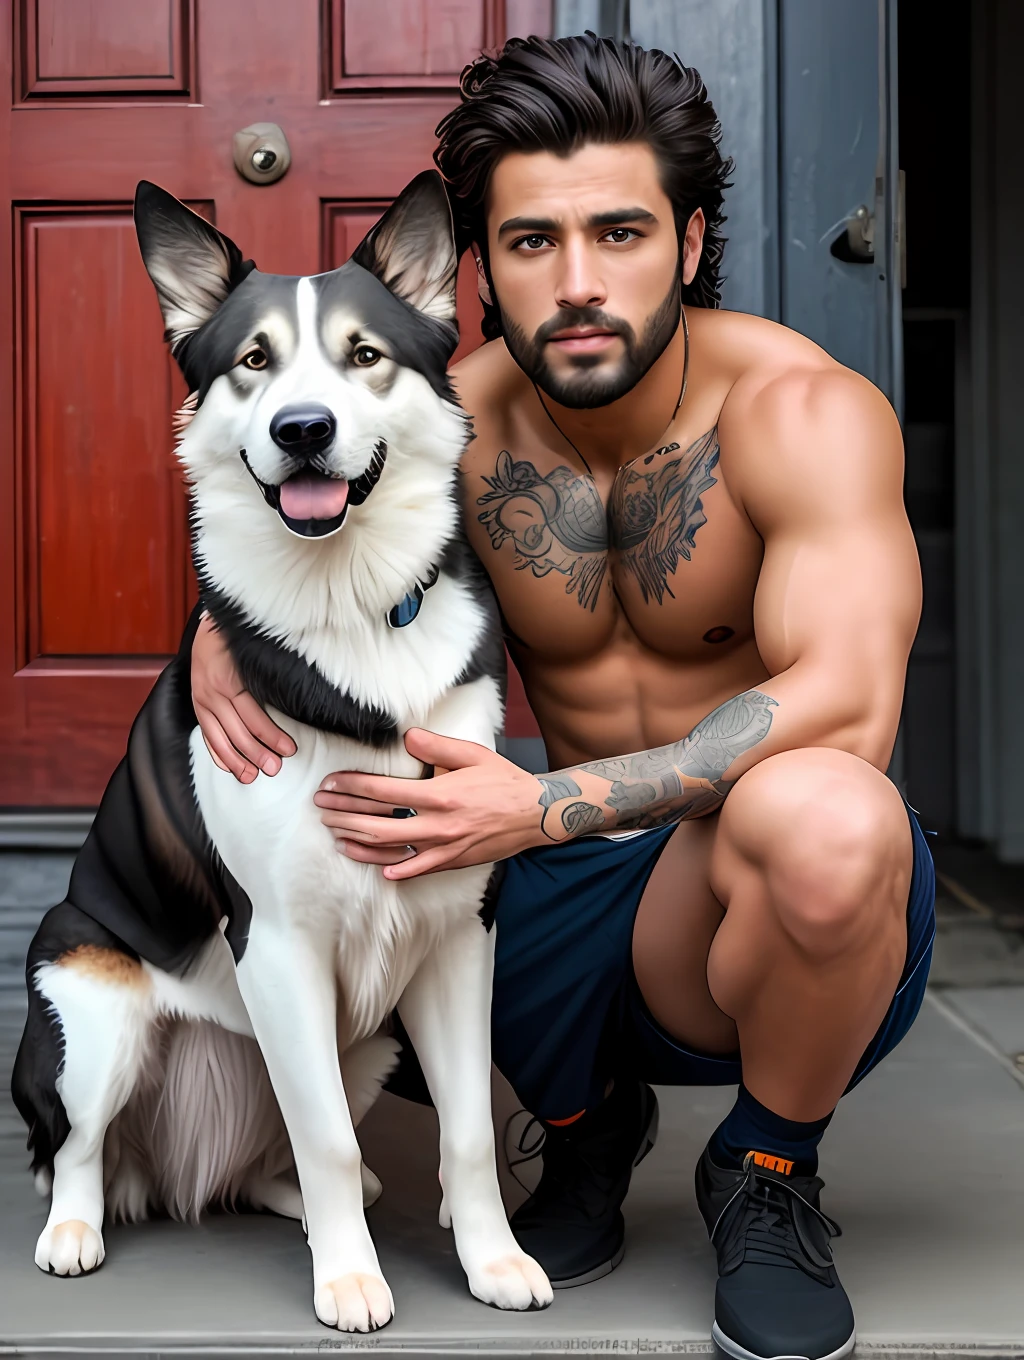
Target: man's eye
532,243
366,356
620,235
256,359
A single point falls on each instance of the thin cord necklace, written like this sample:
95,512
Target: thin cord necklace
682,394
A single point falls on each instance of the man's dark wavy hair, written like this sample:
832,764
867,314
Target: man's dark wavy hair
555,94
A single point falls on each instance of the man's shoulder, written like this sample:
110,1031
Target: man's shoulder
795,417
780,382
486,380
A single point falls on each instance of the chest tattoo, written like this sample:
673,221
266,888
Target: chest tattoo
654,516
556,522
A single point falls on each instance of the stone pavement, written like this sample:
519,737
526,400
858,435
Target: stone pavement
924,1168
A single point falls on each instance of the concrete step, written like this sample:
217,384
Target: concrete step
923,1169
923,1164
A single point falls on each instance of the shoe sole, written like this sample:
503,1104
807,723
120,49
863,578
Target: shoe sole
735,1351
650,1137
597,1273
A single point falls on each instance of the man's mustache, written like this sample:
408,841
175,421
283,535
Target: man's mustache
573,318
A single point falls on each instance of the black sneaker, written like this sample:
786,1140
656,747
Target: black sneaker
572,1223
778,1293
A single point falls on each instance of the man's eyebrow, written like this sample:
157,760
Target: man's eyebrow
611,218
617,215
528,224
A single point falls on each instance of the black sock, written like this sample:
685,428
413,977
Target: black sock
751,1127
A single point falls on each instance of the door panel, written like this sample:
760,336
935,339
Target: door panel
406,44
95,585
94,577
76,47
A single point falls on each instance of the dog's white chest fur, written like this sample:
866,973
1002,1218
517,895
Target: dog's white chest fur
271,839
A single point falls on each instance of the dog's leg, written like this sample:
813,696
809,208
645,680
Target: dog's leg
288,984
100,998
279,1194
364,1069
447,1012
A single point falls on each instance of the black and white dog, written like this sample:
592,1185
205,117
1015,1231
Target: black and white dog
207,1008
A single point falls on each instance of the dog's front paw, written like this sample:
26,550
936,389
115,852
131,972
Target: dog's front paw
356,1302
512,1281
71,1248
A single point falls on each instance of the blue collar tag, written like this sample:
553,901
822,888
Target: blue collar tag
403,613
400,615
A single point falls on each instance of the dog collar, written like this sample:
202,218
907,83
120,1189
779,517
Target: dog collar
403,613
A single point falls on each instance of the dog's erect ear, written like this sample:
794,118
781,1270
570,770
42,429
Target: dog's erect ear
193,266
412,248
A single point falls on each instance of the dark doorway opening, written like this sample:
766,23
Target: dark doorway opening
935,150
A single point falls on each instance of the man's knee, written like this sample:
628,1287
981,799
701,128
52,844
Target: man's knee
829,839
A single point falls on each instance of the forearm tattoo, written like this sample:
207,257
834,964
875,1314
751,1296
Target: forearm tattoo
673,783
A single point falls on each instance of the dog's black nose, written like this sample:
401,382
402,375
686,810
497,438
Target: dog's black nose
303,429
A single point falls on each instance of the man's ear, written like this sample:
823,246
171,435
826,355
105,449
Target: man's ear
483,286
693,241
412,248
193,266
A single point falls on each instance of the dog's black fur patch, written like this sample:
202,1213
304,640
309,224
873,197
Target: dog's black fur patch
276,675
488,658
212,350
147,882
415,341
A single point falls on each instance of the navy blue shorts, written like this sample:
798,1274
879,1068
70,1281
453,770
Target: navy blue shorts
567,1010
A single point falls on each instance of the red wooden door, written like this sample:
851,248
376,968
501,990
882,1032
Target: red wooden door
94,577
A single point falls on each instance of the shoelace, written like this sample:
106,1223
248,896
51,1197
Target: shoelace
529,1151
564,1159
768,1221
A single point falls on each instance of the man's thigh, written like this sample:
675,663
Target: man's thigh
677,921
774,814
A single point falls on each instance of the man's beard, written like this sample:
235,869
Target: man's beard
582,390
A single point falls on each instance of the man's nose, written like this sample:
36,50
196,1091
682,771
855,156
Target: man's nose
580,283
303,429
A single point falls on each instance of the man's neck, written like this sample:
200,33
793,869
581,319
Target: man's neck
609,436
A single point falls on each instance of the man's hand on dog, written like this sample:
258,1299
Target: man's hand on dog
238,734
482,808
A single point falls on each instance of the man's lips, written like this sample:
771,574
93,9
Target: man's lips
583,341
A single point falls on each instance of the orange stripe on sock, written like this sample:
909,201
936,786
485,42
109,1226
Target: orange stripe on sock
561,1123
771,1162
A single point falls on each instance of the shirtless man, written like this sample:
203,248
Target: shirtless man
694,524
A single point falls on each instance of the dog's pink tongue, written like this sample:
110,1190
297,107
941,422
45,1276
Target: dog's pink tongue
310,495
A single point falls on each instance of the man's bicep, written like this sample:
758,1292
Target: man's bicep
846,598
839,594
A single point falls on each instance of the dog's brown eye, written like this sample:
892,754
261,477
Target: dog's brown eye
256,359
366,356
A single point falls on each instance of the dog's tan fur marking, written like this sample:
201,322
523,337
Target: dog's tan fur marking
106,965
